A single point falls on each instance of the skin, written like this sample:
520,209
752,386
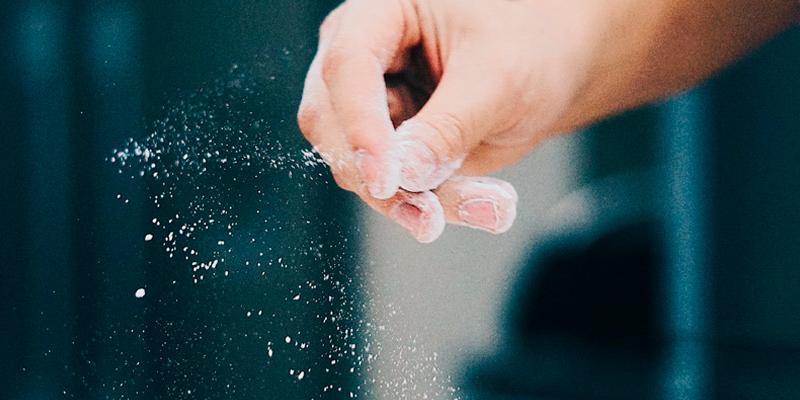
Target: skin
413,102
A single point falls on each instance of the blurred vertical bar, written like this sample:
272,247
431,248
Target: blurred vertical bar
112,95
40,42
684,130
13,229
755,194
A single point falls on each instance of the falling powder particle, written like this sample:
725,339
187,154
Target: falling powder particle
219,160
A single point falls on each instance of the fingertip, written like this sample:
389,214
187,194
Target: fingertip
421,168
509,190
421,214
487,204
487,215
417,166
510,210
381,175
508,217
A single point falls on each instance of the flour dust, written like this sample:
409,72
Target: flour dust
254,285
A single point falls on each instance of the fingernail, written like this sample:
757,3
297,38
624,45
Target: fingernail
381,180
488,215
480,213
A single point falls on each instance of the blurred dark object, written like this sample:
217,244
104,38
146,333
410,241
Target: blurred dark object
583,323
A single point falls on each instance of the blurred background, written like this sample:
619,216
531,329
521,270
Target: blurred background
655,254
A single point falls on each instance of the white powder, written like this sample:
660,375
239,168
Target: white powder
214,169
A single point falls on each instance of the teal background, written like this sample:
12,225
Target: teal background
719,319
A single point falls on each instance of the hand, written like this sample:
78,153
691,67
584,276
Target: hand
379,62
411,102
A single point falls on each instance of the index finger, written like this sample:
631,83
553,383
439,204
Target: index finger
369,39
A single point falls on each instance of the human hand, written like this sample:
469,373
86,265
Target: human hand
412,102
378,63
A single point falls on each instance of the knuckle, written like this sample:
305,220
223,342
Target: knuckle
332,62
307,117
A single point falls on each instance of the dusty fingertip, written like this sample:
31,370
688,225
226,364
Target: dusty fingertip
421,169
492,206
488,215
422,215
508,216
508,189
418,164
381,176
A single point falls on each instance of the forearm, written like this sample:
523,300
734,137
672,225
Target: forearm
650,49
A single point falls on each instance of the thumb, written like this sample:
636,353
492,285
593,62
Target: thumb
433,144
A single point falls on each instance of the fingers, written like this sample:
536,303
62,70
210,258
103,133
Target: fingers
349,115
481,203
487,204
317,122
370,38
421,214
461,112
